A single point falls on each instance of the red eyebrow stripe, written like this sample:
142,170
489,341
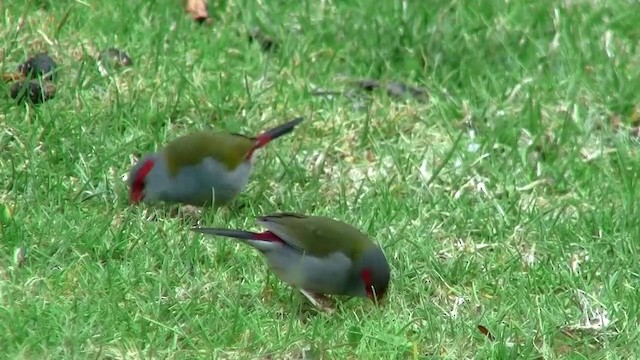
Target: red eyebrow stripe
144,170
136,188
367,276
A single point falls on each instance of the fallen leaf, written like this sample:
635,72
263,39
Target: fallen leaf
198,10
10,77
33,91
486,332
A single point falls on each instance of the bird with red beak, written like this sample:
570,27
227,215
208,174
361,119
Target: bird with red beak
317,255
201,168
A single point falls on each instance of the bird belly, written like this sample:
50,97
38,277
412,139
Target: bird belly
327,275
193,185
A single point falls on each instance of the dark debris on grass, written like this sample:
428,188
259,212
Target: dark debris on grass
40,65
113,59
394,89
33,91
33,81
266,42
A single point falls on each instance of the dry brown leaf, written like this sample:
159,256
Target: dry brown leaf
486,332
10,77
198,10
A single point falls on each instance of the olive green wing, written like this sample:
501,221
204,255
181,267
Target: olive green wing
316,235
192,148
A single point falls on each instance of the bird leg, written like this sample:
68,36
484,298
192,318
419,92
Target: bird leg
320,301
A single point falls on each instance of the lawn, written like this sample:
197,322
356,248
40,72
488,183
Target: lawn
506,202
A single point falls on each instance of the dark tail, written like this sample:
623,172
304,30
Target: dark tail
274,133
267,236
237,234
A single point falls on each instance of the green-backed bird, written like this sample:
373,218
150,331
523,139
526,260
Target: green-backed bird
317,255
199,167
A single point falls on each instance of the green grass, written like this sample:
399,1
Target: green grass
532,87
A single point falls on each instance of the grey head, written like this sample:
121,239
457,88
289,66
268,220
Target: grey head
370,275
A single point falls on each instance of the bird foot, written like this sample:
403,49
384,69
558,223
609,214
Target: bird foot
320,301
